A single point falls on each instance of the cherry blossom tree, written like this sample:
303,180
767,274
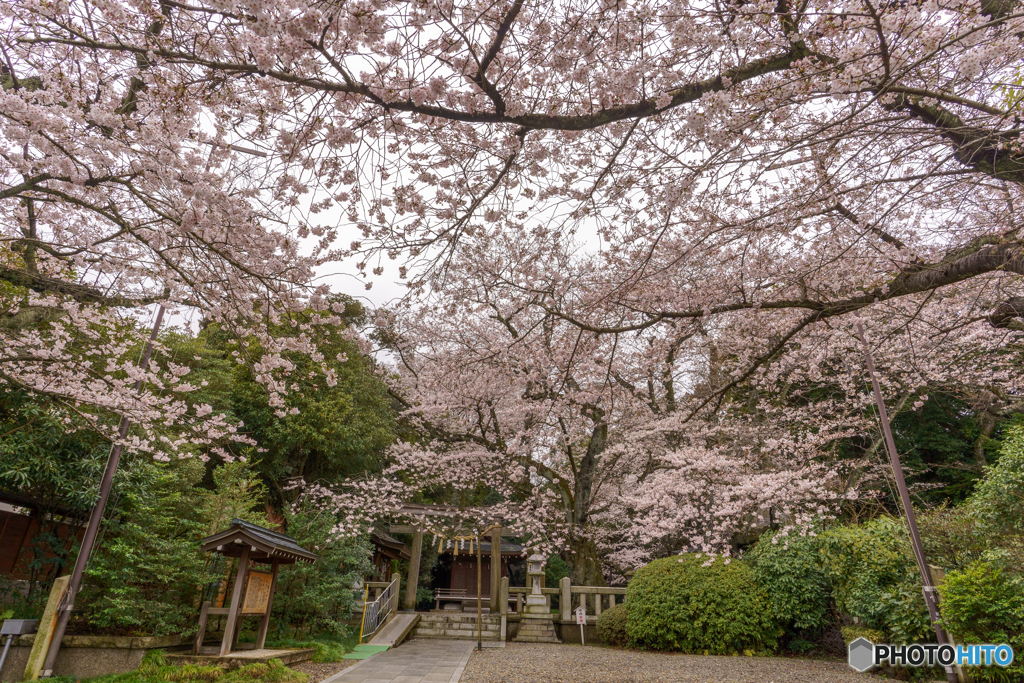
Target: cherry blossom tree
654,219
110,204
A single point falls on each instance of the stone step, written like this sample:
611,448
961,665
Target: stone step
453,634
460,624
457,635
460,618
486,631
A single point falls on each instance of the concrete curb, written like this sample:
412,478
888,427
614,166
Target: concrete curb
461,667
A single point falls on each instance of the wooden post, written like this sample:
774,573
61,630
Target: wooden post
495,568
414,570
261,637
398,589
565,598
236,596
204,614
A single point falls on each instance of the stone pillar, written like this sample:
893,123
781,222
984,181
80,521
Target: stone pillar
41,644
495,569
503,596
565,598
414,571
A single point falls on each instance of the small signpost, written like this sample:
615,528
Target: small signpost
581,619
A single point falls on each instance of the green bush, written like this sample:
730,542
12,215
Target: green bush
983,603
852,633
788,569
874,577
611,626
998,499
678,603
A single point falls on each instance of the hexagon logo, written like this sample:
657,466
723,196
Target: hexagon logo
862,654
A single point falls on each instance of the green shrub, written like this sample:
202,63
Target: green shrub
788,569
874,577
983,603
678,603
852,633
998,499
611,626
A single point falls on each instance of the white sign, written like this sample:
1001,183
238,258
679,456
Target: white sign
581,619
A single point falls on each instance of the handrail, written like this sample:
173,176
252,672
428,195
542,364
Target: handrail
375,613
599,590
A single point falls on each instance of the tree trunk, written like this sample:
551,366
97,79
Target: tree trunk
585,562
986,423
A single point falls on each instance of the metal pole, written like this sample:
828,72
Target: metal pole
901,484
68,603
479,597
7,646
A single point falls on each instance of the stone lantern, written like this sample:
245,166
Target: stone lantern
536,625
536,601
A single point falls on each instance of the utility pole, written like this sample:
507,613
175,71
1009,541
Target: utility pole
479,594
89,540
930,594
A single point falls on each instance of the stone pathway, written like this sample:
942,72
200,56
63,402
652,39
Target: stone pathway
415,661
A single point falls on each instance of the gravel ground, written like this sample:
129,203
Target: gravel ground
551,663
319,672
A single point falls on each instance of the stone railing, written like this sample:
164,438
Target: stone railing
594,599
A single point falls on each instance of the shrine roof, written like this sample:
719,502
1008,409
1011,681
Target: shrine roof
385,542
265,545
507,548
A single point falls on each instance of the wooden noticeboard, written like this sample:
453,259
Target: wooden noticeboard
257,594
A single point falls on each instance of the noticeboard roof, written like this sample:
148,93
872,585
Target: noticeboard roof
264,545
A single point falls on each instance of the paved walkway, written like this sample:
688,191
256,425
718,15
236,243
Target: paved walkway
415,661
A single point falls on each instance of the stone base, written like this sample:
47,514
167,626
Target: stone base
88,656
536,629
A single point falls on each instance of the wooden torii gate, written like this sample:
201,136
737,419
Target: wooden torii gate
417,529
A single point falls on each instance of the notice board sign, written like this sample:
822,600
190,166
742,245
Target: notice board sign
257,594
